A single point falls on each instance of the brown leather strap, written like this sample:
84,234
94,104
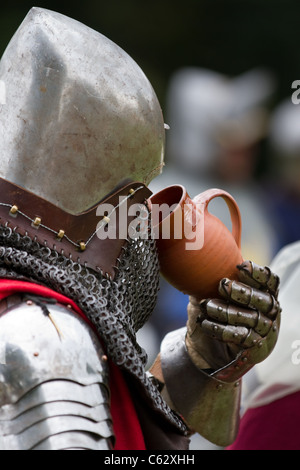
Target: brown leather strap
72,235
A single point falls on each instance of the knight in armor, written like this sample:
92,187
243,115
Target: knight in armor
82,131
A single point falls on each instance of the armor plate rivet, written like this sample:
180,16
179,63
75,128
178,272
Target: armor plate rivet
131,192
106,219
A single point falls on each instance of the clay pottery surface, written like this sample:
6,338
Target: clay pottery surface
195,248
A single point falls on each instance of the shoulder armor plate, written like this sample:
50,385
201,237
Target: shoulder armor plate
53,381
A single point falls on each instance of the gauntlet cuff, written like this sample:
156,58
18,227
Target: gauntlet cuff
208,405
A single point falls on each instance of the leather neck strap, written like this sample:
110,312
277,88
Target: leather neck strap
74,236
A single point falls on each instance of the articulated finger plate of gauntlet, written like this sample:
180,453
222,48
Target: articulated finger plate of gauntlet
250,297
234,323
259,276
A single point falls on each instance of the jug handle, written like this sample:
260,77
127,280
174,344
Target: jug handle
234,210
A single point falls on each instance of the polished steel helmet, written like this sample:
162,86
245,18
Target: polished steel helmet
79,116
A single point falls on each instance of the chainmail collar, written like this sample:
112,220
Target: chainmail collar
117,308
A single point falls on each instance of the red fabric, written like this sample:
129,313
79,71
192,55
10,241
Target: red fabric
271,427
9,287
127,429
124,417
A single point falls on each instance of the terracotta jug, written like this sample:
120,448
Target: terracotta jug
196,250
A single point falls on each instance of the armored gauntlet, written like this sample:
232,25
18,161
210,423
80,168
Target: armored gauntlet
241,327
224,338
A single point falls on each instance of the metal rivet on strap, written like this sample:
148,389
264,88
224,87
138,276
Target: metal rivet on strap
82,246
60,234
37,222
13,210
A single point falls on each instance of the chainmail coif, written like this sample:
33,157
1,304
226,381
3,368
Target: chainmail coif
117,308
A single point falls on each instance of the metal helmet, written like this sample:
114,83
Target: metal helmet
79,116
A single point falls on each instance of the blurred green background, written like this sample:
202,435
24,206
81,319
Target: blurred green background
229,36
